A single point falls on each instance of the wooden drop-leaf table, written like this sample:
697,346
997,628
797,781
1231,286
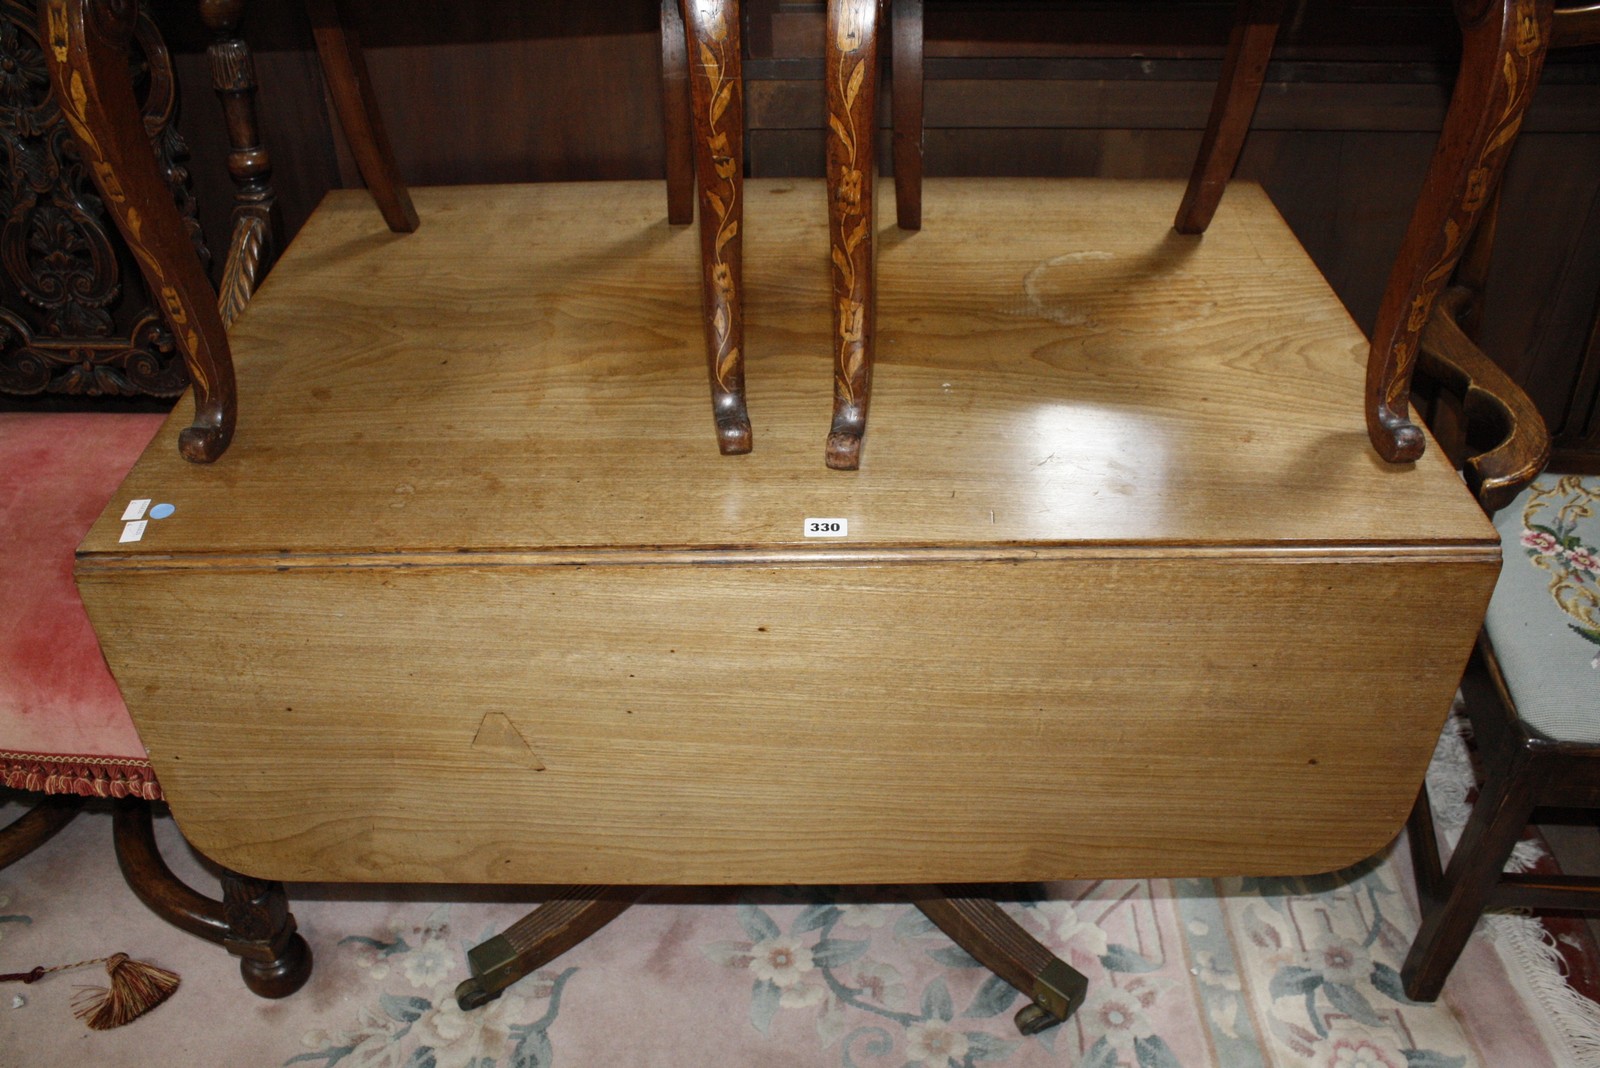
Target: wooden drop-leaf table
472,597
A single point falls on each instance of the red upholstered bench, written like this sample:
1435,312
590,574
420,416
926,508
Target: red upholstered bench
65,734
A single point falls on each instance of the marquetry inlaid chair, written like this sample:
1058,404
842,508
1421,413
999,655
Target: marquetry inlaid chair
1503,48
1532,687
65,734
703,95
87,42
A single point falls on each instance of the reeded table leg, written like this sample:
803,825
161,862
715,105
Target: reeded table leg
982,928
1255,27
86,48
571,916
851,65
716,82
345,68
1503,47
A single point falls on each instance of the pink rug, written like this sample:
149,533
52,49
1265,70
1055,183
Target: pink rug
1185,973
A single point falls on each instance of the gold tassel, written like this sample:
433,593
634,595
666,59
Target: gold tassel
136,988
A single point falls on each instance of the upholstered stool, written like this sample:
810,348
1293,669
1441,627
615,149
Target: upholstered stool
63,726
65,734
1532,693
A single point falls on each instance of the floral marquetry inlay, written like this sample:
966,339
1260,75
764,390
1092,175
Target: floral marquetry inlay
66,326
1502,57
718,104
852,62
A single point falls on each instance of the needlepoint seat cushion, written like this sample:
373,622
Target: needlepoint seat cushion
1544,620
63,725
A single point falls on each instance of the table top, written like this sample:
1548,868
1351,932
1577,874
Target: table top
525,375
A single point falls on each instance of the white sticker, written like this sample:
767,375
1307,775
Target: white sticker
826,528
134,531
135,510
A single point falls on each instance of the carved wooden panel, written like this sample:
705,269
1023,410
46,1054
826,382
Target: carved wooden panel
74,316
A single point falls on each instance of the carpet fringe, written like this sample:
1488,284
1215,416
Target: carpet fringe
1526,944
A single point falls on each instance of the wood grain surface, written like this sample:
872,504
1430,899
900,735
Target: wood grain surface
920,723
1126,591
528,374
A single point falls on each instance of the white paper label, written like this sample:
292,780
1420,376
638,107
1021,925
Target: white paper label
135,510
826,528
134,531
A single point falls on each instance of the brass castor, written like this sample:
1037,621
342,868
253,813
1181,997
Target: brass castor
471,995
1033,1020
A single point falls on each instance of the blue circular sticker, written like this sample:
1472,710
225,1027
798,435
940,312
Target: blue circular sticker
161,511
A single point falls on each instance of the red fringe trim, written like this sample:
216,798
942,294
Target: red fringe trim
85,776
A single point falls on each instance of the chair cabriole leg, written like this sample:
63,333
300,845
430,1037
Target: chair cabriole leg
675,122
716,83
86,49
345,68
1255,27
851,70
905,24
1503,48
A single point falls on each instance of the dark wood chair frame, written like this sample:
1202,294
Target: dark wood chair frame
702,77
1521,771
86,43
1503,48
87,50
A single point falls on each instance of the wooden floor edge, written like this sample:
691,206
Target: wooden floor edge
1473,551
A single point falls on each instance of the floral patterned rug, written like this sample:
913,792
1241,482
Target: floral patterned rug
1276,973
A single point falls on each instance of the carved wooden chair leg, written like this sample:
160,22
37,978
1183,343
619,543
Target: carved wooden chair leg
905,22
851,70
675,108
253,242
345,68
1498,819
252,921
1503,48
982,928
716,81
1255,27
572,915
36,826
86,49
